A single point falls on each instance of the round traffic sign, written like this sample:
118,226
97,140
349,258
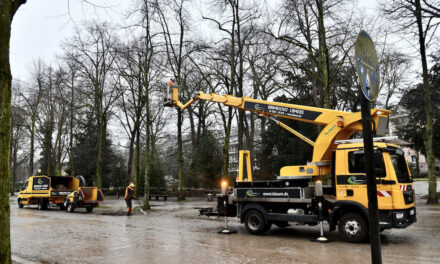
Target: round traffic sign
367,65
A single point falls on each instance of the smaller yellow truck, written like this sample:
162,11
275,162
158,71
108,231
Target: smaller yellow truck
44,190
84,197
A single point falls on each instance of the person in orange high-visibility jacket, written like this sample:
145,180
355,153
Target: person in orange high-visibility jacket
171,82
129,195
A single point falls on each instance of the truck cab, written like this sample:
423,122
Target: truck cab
395,193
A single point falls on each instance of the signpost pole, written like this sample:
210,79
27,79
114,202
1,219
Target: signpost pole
376,256
368,71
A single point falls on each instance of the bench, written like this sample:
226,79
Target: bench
157,196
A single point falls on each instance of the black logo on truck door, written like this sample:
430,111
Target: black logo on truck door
40,183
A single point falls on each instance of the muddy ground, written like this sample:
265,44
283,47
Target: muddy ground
172,232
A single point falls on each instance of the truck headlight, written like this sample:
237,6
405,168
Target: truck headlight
399,215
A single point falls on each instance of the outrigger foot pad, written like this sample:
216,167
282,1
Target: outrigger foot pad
227,231
321,240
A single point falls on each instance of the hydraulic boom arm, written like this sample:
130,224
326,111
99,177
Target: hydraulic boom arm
338,124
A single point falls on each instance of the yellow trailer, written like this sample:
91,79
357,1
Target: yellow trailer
84,197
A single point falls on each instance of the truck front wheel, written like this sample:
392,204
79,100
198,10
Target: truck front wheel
353,228
20,204
255,222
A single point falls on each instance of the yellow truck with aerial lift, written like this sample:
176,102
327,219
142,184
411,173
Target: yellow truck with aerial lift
66,192
298,194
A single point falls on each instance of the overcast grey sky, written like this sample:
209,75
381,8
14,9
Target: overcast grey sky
39,27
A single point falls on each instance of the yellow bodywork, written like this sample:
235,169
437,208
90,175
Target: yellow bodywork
304,170
247,155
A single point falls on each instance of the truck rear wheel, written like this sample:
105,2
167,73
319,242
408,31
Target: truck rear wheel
42,204
255,222
20,204
70,207
89,209
353,228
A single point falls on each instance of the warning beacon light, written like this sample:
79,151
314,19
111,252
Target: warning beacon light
224,186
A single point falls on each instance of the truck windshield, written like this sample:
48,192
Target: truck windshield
400,168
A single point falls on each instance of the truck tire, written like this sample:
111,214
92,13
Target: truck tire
353,228
62,207
89,209
70,207
20,204
42,204
255,222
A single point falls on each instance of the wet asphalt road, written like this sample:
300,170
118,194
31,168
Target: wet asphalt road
174,233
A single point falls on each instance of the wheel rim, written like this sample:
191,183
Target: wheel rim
352,227
254,222
69,207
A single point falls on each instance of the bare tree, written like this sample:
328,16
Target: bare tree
18,134
238,27
313,36
412,17
93,49
394,69
32,98
131,102
72,81
174,14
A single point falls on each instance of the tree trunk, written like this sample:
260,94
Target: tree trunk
226,146
147,152
137,154
131,152
71,154
417,163
432,189
59,148
98,180
7,11
14,167
192,127
324,57
31,151
180,153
